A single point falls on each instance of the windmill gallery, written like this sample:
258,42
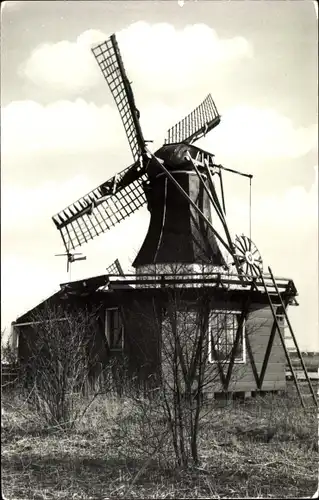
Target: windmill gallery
185,260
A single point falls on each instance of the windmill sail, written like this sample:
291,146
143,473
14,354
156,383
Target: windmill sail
115,268
123,194
109,59
102,208
195,125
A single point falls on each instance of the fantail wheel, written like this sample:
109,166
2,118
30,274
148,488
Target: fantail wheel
248,256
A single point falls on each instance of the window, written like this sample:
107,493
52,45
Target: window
114,329
222,330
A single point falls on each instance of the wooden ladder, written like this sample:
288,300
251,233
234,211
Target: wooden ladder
292,336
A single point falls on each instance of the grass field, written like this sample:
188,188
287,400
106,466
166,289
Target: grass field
261,448
311,360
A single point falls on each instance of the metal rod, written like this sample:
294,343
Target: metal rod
222,191
211,182
232,248
212,186
215,202
217,207
234,171
28,323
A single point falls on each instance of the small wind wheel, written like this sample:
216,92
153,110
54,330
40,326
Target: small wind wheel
71,257
248,256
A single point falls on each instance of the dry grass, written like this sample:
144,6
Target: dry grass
264,448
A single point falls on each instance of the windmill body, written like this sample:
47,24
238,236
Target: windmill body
177,235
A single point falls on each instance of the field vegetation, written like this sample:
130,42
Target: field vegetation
119,448
66,438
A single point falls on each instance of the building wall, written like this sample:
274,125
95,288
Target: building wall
141,337
27,333
142,343
258,326
141,313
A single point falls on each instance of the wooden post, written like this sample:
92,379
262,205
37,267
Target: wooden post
243,315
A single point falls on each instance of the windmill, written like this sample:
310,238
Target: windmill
176,182
179,183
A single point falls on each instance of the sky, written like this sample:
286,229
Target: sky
62,136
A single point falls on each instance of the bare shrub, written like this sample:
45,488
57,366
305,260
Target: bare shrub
191,336
59,363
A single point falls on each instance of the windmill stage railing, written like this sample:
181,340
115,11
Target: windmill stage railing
229,281
215,279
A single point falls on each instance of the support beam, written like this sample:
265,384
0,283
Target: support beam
242,319
267,355
200,213
252,360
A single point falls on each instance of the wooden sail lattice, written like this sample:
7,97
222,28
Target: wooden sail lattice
195,125
96,212
115,268
110,62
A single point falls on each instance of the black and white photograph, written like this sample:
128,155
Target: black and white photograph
159,267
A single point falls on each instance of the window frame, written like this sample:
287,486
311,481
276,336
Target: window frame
237,361
107,332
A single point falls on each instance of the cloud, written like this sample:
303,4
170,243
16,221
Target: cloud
75,126
168,59
248,132
245,132
24,208
29,127
64,64
285,230
150,51
26,282
289,214
300,204
30,270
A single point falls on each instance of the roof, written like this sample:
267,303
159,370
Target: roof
90,285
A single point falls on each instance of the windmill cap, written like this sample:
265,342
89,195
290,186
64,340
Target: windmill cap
175,157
